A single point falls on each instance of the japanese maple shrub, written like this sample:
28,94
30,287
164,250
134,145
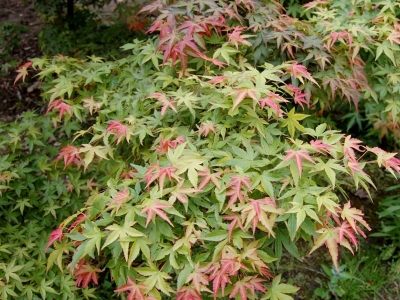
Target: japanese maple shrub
209,174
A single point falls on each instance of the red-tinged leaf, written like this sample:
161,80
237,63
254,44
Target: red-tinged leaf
235,192
181,193
157,208
199,278
55,235
236,222
61,106
298,155
344,230
166,102
218,79
136,291
79,220
247,283
237,38
241,94
22,72
350,144
156,5
313,4
188,293
206,127
120,130
353,215
346,37
70,154
121,197
354,167
299,71
155,172
319,145
170,144
329,237
85,273
207,177
271,103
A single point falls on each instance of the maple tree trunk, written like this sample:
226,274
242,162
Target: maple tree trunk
70,13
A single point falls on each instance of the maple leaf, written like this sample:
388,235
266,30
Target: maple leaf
136,291
218,79
85,273
236,221
119,130
350,144
188,293
181,193
198,277
251,283
22,72
320,145
166,102
344,230
155,172
235,191
241,94
272,100
165,145
207,177
236,37
298,155
388,160
298,96
313,4
353,215
256,211
354,167
79,220
61,106
70,155
92,105
299,71
121,197
57,234
206,127
157,208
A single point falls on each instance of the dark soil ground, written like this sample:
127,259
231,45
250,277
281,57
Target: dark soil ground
15,99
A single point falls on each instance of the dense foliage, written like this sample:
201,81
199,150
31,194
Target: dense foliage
186,168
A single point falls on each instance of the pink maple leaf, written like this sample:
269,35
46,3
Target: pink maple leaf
235,192
55,235
272,100
298,96
85,273
79,220
157,208
165,145
166,102
206,127
70,155
236,37
121,197
136,291
313,4
208,176
198,277
353,215
320,146
236,221
218,79
351,144
299,71
247,283
354,167
119,130
188,293
61,106
298,155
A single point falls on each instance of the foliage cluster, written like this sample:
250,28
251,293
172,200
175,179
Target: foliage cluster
185,169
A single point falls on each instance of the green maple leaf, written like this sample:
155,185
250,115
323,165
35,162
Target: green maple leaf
291,122
279,291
